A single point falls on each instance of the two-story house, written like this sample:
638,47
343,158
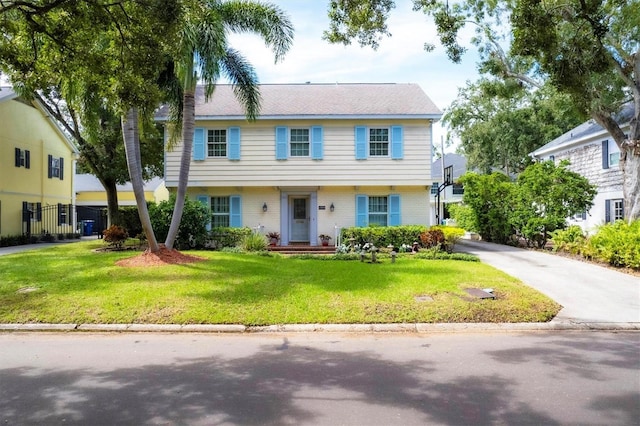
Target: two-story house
319,158
36,170
594,154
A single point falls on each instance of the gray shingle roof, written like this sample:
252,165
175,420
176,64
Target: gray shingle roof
321,100
458,162
585,130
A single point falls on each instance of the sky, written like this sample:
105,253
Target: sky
400,58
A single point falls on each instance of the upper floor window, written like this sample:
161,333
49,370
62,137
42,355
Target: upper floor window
379,142
434,188
610,154
23,158
217,143
299,142
55,167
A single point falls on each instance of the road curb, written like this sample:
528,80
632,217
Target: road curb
421,328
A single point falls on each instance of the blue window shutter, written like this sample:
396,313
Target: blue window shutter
361,142
18,155
362,210
317,142
282,144
204,200
397,142
235,217
27,159
39,212
61,168
605,155
199,144
69,214
234,143
49,161
607,211
394,210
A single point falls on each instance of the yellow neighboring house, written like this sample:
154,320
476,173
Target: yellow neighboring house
91,193
91,199
37,162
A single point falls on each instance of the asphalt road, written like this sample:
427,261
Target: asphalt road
550,378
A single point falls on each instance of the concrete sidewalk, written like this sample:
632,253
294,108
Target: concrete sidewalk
588,293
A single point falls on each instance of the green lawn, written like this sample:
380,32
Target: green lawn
72,283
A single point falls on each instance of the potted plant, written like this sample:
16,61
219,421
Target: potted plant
274,237
324,238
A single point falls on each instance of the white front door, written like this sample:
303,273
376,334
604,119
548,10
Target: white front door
299,219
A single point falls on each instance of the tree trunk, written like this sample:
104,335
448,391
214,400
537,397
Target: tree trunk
188,125
134,163
113,211
630,166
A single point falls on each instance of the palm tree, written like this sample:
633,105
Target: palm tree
204,53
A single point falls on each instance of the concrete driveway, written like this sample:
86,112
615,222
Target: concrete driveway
587,292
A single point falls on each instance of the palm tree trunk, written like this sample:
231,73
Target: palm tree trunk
134,163
113,211
189,117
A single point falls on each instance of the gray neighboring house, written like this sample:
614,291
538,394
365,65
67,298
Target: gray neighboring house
450,194
594,154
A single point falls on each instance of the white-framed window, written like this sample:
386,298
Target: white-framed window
55,167
379,142
434,188
299,142
36,211
378,210
220,212
617,210
217,142
458,189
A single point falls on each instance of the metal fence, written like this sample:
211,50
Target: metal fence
61,220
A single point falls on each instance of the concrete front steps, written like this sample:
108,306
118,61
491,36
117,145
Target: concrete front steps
303,249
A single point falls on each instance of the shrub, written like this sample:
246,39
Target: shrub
222,237
432,238
382,236
617,244
254,242
571,240
452,235
130,220
15,240
115,236
464,217
192,232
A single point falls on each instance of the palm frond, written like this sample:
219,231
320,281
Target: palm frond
244,81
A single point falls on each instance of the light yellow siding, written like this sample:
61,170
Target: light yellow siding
25,127
258,166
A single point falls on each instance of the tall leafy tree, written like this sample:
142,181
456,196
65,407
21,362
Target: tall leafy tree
93,49
500,122
588,49
203,53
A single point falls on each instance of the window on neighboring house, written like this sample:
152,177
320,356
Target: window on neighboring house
63,214
378,211
217,143
220,212
610,154
434,188
56,167
35,211
458,189
614,210
23,158
299,142
379,142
